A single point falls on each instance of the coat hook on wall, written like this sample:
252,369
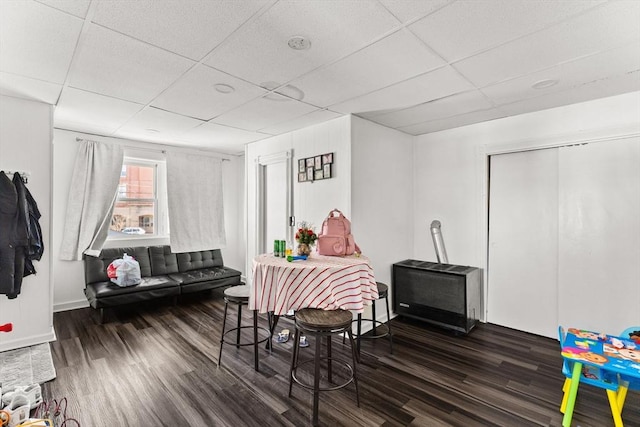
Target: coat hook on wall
25,175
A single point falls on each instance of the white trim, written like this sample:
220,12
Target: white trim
70,305
28,341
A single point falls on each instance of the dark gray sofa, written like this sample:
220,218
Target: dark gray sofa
164,274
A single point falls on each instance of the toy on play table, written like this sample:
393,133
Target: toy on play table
291,258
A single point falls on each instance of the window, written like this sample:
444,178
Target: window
138,205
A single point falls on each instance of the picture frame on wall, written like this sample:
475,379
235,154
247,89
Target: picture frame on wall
318,174
318,162
326,170
301,166
310,162
310,172
302,176
327,158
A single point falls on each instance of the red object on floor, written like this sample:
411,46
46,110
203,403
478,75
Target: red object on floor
7,327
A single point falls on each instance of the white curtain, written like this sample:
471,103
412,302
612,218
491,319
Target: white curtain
194,192
92,194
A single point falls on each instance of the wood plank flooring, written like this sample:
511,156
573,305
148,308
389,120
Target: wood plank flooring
156,365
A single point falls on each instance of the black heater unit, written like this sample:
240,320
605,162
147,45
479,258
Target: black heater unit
442,294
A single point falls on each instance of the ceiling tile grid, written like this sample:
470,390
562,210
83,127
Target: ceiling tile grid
220,73
205,93
188,28
259,52
96,113
36,40
395,58
113,64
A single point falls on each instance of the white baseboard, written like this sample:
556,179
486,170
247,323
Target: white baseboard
28,341
71,305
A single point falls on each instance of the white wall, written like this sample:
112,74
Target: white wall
450,167
382,197
68,278
25,145
311,201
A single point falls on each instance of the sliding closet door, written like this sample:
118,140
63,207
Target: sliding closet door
599,240
523,243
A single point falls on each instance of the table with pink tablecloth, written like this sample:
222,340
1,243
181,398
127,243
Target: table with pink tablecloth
323,282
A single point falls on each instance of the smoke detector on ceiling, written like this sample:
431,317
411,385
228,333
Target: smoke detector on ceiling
299,43
223,88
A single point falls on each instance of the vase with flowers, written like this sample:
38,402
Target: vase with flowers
306,237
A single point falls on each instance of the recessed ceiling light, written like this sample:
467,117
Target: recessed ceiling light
299,43
223,88
543,84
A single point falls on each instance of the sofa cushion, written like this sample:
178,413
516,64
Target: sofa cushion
188,261
204,275
106,294
163,261
95,268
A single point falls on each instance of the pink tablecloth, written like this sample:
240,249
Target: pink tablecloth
320,282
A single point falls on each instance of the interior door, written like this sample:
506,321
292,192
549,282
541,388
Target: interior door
275,206
523,241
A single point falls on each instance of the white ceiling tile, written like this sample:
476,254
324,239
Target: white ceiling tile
158,124
599,29
395,58
37,41
408,10
440,108
436,84
78,8
26,88
315,117
78,107
584,70
470,26
189,28
121,67
453,122
264,112
195,94
611,86
259,52
228,139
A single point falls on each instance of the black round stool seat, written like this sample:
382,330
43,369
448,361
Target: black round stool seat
322,323
239,295
383,290
323,320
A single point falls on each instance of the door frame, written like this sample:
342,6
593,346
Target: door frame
261,163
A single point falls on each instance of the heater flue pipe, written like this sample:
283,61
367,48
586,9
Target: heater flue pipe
438,243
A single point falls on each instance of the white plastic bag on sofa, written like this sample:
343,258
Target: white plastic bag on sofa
127,271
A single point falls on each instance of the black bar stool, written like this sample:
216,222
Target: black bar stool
383,292
239,295
320,323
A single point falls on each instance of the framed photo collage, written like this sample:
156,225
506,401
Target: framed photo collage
315,168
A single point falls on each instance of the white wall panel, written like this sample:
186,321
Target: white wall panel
599,241
523,242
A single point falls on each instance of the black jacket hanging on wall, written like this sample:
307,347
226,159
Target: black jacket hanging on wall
20,234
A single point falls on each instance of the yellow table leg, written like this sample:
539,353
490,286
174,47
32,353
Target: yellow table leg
622,394
565,394
573,391
615,409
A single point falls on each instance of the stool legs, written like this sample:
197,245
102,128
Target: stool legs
294,357
316,380
239,321
386,300
224,323
255,339
355,374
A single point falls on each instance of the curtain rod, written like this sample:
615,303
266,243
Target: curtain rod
157,150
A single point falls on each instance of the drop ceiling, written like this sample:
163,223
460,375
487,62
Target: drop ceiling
220,74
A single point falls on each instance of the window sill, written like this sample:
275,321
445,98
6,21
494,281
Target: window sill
120,242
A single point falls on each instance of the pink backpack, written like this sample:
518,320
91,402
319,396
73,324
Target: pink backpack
336,239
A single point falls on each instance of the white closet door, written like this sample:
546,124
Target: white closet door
599,241
276,210
523,241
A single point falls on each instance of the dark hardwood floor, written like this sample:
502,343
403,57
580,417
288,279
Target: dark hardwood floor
156,365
